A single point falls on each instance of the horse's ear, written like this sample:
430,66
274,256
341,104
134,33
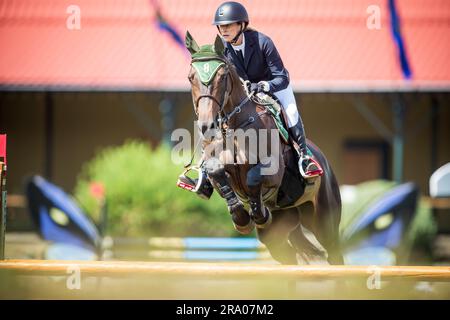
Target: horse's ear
191,45
218,45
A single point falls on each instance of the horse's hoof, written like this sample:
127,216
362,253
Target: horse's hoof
247,229
268,221
241,219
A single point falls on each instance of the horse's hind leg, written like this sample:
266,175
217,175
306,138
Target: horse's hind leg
275,237
308,251
241,218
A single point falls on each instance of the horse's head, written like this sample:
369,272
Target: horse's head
210,81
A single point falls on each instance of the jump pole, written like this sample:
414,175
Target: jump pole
188,270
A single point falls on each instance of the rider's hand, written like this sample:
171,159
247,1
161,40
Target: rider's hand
263,86
254,87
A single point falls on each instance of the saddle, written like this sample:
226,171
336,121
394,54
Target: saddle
294,189
272,105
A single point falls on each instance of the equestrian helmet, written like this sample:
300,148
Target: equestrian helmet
230,12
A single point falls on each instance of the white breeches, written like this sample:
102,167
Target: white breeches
287,99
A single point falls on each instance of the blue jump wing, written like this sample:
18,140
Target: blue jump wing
58,218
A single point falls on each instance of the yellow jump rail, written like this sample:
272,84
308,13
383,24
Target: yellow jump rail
225,270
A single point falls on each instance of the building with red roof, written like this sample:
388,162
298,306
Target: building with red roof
325,44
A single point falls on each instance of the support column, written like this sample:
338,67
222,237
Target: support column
434,133
49,136
167,110
3,162
398,109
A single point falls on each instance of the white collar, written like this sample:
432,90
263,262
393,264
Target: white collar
241,46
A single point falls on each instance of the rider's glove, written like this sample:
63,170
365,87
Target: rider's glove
253,87
263,86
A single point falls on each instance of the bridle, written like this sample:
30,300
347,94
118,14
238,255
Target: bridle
225,94
222,118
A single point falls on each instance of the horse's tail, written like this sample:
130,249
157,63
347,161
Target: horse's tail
328,208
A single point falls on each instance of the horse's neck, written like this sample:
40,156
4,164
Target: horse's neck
238,91
237,96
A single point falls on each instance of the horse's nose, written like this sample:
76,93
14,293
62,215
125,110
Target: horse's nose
206,126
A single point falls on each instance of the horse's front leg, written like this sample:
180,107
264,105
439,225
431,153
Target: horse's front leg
260,214
241,218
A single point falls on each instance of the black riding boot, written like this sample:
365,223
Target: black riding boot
298,135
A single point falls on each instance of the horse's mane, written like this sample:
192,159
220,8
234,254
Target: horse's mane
232,67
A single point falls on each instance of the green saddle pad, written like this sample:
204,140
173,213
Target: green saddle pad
274,109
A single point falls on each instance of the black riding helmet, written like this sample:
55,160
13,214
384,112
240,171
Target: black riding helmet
231,12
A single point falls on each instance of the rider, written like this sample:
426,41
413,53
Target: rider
257,60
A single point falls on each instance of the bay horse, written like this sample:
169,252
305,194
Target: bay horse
281,204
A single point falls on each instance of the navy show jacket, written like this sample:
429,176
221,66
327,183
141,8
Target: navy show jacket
262,61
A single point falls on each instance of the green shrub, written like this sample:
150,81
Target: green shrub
142,196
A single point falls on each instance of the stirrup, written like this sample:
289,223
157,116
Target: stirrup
201,186
309,174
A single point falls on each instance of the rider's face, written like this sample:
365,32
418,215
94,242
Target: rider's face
229,31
